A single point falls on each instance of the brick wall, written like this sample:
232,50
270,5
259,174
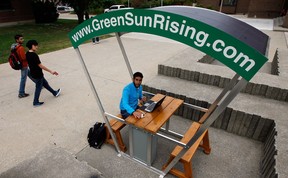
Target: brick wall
265,8
21,11
215,5
258,8
242,6
209,3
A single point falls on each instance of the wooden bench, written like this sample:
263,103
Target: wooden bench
116,127
203,141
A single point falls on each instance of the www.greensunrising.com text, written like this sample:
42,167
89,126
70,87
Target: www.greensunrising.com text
161,22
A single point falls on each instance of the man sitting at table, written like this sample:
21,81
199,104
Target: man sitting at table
131,95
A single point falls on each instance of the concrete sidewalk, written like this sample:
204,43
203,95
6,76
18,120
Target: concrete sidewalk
63,122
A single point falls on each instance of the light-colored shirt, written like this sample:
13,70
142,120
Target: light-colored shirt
130,97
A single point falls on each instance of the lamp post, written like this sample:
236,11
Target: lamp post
220,10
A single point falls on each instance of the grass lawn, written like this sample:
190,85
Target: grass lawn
50,36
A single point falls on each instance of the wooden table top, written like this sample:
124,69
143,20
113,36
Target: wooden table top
153,121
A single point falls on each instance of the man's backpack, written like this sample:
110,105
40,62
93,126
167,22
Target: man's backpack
14,60
97,135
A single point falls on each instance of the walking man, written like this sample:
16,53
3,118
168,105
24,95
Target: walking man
36,72
22,57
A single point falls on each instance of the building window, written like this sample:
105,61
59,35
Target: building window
229,2
5,4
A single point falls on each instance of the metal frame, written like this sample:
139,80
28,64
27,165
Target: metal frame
225,97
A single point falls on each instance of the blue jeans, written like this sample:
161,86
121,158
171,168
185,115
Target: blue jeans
42,82
95,39
24,74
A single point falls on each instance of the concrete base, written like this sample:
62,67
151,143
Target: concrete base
141,144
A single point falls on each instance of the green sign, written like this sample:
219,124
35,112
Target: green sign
233,53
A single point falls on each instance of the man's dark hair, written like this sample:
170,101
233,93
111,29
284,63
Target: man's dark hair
16,37
30,43
137,74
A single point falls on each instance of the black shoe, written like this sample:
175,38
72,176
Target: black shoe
23,95
38,104
58,92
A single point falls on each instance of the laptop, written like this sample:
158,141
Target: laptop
150,105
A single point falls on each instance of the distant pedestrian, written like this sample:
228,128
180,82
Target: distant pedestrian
86,15
19,39
95,40
37,75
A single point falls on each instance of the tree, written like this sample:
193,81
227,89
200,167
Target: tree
80,7
44,11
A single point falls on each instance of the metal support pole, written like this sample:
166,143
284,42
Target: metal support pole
219,98
149,149
237,88
196,107
124,54
172,133
167,125
131,144
97,98
171,139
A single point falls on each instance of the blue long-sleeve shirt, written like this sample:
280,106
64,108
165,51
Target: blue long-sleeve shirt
130,97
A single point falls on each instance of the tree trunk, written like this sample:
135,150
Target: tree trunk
80,16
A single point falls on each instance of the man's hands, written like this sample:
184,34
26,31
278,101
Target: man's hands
48,70
54,73
138,114
143,100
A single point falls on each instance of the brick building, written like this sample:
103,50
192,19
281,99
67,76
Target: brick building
18,11
15,11
252,8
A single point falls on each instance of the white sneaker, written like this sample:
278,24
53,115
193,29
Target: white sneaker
58,92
